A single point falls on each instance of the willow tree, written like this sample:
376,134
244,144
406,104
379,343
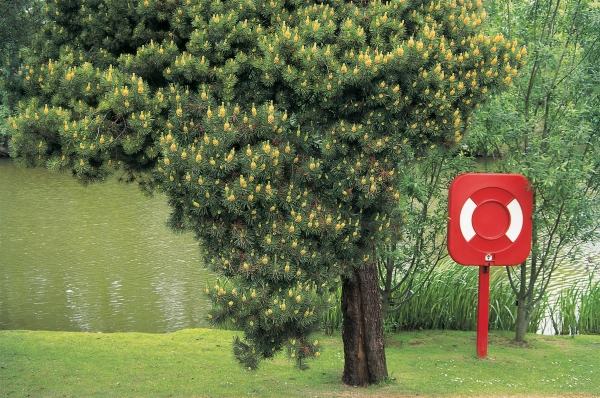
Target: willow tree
274,128
547,129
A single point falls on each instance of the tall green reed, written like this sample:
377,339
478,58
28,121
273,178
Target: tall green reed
589,313
577,310
448,300
564,313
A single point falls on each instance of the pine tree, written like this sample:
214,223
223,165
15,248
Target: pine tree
274,128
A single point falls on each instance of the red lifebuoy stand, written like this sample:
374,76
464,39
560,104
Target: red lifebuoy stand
489,224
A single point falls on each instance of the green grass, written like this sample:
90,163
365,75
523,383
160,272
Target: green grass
199,363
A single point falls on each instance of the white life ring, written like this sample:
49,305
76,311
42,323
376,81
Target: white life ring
514,228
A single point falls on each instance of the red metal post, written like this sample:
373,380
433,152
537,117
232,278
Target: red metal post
483,311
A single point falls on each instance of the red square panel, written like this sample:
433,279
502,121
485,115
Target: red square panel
489,219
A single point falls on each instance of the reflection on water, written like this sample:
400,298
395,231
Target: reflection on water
96,258
100,258
585,267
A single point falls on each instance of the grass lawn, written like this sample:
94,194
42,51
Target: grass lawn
199,363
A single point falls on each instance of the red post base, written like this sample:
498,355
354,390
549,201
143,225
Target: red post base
483,301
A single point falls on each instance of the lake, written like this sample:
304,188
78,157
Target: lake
100,258
95,258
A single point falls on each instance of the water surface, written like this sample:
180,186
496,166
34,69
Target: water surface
100,258
97,258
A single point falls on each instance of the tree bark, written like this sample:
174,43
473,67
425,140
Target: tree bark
522,322
364,353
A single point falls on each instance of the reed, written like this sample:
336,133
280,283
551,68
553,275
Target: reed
564,313
589,310
576,310
447,301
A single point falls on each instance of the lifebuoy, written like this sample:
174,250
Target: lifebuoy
491,216
489,219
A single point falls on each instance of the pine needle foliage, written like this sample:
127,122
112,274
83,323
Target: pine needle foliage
274,127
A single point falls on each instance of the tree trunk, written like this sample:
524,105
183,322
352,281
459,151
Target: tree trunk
364,354
522,322
385,303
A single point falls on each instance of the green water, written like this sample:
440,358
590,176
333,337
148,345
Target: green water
100,258
95,258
